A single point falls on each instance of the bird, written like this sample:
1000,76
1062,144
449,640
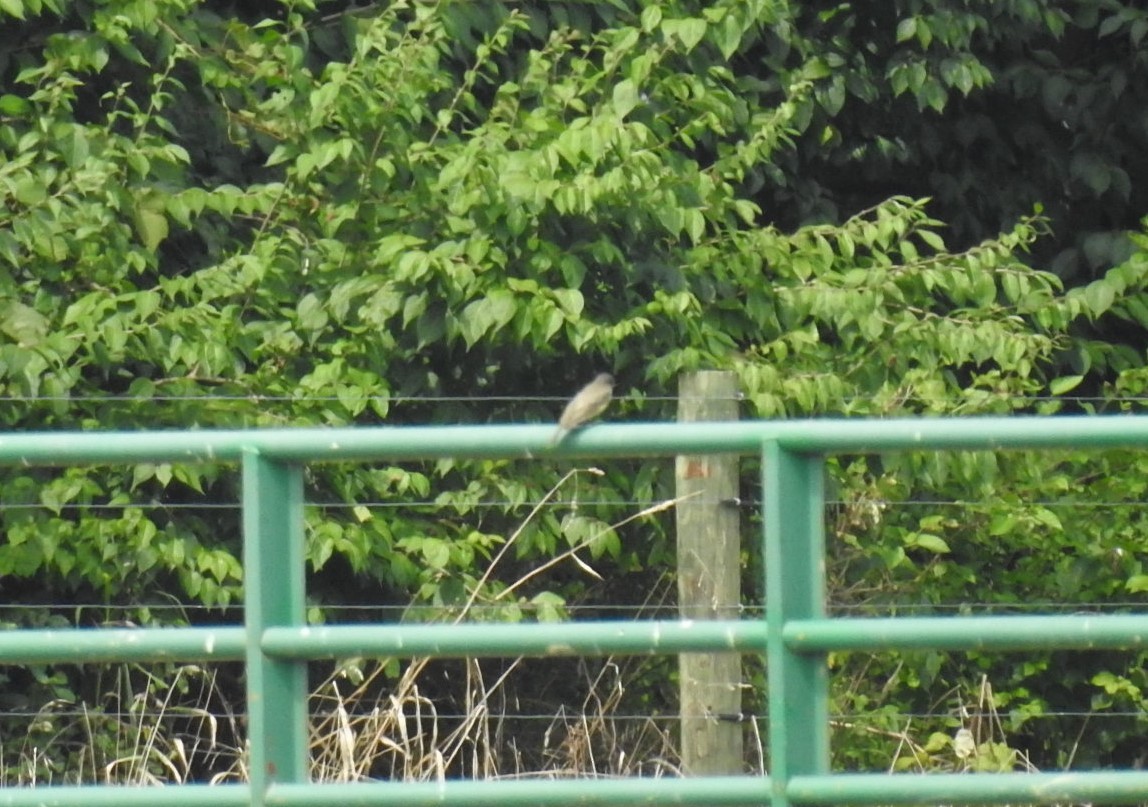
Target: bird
590,402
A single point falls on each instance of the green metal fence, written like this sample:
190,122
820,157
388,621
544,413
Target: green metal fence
795,636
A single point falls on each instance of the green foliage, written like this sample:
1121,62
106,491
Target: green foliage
368,217
988,107
1002,533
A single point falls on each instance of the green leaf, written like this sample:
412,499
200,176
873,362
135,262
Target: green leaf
688,31
1099,296
625,97
1059,386
933,543
23,324
651,17
281,154
391,246
487,315
30,190
502,306
570,301
906,29
1111,25
932,239
142,473
1137,583
695,224
413,308
932,94
1138,30
73,145
728,35
310,313
550,606
817,68
14,105
1092,170
1002,524
151,226
435,552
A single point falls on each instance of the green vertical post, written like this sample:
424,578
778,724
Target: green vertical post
794,589
274,588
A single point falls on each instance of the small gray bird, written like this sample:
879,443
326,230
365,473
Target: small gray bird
590,402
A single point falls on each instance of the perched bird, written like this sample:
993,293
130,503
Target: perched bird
590,402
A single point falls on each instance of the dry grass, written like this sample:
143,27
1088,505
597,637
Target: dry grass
379,723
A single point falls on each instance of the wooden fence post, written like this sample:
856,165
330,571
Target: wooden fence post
709,581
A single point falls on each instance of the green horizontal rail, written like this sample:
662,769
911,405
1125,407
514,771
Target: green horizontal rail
726,790
609,440
91,645
1109,787
534,639
1069,632
1061,632
1102,787
126,796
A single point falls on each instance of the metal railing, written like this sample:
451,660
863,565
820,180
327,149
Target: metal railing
795,636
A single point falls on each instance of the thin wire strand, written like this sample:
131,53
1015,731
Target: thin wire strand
669,610
858,717
396,399
471,399
745,503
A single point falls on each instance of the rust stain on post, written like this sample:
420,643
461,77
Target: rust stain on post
696,468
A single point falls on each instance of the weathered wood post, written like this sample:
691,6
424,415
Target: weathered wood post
709,578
